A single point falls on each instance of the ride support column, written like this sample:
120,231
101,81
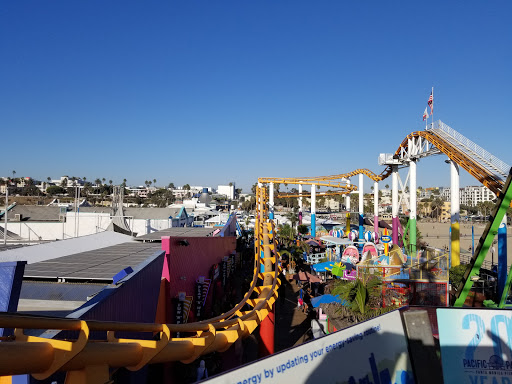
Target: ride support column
502,255
347,206
394,204
300,204
313,210
361,207
271,201
376,210
267,326
412,213
455,213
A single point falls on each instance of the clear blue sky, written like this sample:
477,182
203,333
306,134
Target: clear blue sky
208,92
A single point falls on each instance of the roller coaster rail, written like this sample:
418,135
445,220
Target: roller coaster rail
89,361
86,360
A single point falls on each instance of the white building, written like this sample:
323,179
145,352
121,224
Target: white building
227,190
471,195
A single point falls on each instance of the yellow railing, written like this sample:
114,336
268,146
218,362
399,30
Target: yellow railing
88,361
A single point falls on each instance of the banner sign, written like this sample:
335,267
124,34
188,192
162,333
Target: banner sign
215,272
224,266
475,345
371,352
183,304
206,289
233,263
199,297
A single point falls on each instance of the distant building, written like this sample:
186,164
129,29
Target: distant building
227,190
471,195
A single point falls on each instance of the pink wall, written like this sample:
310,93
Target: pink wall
184,264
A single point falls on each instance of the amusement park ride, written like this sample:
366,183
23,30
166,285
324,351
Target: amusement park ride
89,361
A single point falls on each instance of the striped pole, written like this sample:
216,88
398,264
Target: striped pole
313,210
347,206
455,213
376,210
271,201
502,255
413,213
394,204
300,204
361,207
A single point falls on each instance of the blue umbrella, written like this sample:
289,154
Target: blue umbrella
325,299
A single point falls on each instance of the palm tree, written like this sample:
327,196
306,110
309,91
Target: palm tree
104,180
154,182
292,216
110,182
171,186
436,205
124,183
49,178
387,186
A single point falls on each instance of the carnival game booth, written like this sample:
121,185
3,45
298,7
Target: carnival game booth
417,281
335,246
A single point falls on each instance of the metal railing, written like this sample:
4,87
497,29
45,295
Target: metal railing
316,258
487,159
42,357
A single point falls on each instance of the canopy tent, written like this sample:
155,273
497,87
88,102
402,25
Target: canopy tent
312,243
336,240
326,299
306,276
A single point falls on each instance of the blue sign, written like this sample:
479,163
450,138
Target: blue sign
373,351
475,345
385,239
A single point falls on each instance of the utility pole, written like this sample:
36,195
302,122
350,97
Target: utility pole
5,211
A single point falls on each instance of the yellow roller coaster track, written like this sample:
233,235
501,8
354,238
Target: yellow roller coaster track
89,361
472,167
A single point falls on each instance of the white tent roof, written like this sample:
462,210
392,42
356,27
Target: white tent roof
336,240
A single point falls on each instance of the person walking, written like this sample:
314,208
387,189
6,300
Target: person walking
202,372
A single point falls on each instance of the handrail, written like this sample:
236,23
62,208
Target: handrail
215,334
500,165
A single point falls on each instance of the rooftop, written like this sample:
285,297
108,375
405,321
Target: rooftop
176,232
99,264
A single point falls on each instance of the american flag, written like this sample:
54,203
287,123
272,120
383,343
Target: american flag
431,102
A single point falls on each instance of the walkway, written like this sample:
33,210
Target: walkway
292,325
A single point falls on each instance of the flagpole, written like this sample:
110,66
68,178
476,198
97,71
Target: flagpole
432,109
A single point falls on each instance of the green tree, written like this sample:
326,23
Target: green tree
55,190
302,229
286,232
436,206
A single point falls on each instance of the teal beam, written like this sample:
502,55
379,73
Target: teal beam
485,242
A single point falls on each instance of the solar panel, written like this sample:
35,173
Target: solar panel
100,264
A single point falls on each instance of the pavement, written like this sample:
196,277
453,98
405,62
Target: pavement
292,326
